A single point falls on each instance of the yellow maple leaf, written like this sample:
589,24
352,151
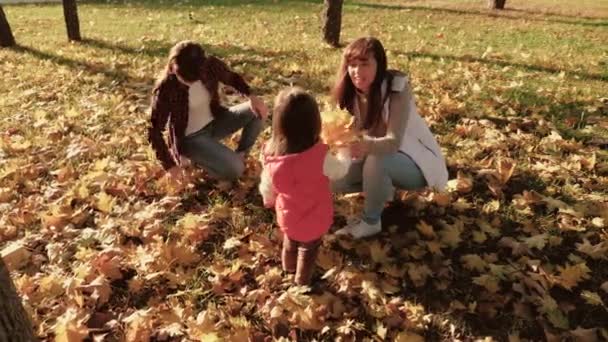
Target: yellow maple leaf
108,263
139,326
537,241
371,291
329,258
425,229
337,128
550,308
390,285
592,298
183,254
419,273
6,195
473,262
407,336
379,252
598,251
489,282
99,290
450,235
309,319
57,217
488,228
434,247
105,202
479,236
571,275
70,326
463,183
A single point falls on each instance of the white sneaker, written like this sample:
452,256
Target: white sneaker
361,229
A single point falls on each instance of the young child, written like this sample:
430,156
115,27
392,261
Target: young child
295,180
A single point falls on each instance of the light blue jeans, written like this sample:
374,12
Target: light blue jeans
205,149
378,176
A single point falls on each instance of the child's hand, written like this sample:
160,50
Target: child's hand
258,106
344,153
358,150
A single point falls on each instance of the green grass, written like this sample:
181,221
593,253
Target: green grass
491,84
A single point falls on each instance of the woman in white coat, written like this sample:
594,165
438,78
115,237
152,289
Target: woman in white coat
398,149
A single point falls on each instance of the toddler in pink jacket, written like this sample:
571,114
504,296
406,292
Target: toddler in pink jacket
295,179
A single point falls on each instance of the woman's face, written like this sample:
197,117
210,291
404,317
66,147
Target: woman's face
362,72
175,70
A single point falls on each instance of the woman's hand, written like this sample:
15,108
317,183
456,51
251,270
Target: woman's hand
258,106
358,150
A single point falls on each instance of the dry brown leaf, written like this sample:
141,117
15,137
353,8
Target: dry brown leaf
108,263
407,336
505,170
15,255
473,262
70,326
379,252
139,326
571,275
425,229
489,282
463,183
584,335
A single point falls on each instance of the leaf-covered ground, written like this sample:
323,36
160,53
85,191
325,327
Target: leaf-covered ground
516,249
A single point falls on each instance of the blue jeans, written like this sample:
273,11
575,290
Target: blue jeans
378,176
205,149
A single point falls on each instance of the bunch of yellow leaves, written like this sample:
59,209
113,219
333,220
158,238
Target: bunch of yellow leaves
338,128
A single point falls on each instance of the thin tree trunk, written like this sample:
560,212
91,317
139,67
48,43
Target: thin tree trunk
6,35
70,13
332,21
15,325
497,4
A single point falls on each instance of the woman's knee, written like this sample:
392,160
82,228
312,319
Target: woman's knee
232,170
257,122
373,166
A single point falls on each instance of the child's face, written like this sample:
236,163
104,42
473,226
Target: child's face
362,72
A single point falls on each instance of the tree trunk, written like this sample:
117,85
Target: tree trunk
15,325
496,4
332,21
70,13
6,35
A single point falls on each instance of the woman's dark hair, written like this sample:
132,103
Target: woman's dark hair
186,59
344,91
296,122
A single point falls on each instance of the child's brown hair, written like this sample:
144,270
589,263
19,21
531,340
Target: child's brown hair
296,122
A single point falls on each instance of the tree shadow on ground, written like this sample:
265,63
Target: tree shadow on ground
201,3
504,14
87,67
528,67
255,62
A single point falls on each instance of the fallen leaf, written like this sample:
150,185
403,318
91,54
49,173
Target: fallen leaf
70,326
571,275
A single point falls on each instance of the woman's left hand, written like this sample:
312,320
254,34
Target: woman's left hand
258,106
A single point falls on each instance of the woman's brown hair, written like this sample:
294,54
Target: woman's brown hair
188,58
296,122
344,91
